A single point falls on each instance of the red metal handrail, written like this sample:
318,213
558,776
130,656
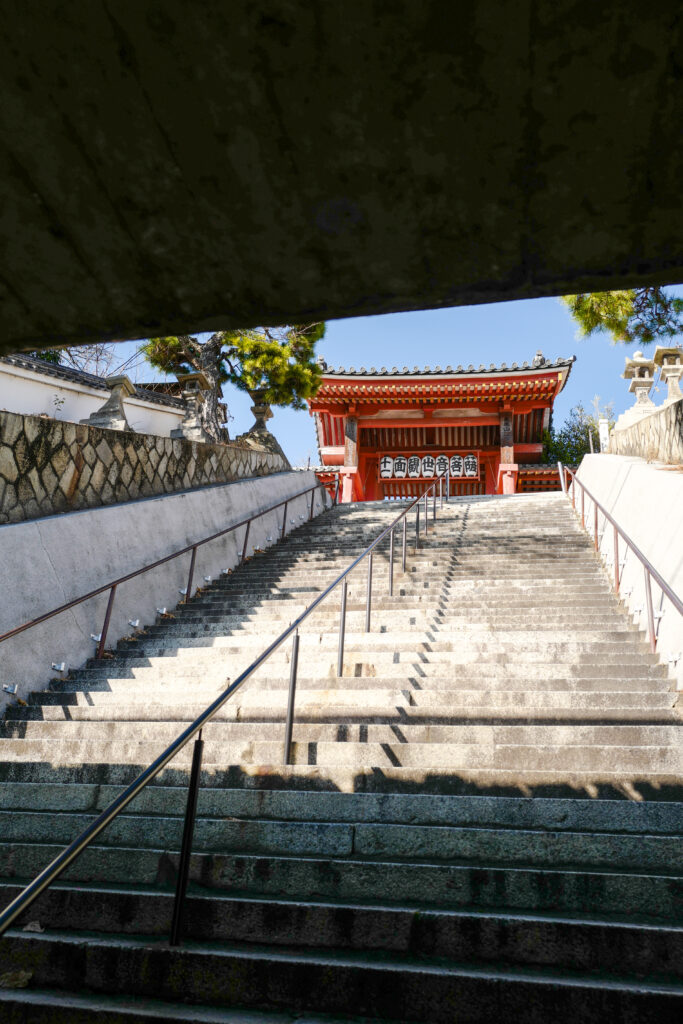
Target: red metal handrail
113,584
649,570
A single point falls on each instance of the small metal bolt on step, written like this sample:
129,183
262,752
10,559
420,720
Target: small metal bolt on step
161,611
96,637
9,687
58,666
134,623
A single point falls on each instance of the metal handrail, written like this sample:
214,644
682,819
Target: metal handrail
57,866
650,573
113,584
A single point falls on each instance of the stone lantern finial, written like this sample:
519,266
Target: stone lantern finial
193,385
640,371
669,359
112,415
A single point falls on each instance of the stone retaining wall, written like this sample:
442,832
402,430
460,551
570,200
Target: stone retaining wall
49,466
657,438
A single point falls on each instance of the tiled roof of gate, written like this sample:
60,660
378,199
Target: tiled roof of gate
538,363
91,380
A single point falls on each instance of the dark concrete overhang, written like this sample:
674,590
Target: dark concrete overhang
172,166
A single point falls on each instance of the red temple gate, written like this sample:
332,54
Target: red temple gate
383,434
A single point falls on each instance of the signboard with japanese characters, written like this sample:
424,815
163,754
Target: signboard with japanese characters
415,467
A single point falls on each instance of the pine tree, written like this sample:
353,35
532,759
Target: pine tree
635,316
279,362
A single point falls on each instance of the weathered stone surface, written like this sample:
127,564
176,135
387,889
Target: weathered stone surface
8,467
48,466
657,438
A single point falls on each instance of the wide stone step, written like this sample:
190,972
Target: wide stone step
577,757
461,935
391,708
376,841
50,1006
605,784
301,981
415,685
623,816
410,733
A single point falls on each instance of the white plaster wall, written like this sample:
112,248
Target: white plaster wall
646,499
48,562
31,393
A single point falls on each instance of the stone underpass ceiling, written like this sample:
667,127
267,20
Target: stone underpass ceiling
174,166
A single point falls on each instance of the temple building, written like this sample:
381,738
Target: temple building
385,433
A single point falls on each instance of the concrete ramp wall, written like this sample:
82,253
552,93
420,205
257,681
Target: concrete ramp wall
646,499
50,561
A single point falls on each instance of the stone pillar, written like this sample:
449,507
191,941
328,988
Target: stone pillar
350,457
508,468
670,363
112,415
193,384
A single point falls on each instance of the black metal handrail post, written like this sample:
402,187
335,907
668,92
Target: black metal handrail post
342,629
289,723
391,564
186,846
368,595
105,624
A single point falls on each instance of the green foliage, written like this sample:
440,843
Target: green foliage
48,355
637,315
571,442
281,361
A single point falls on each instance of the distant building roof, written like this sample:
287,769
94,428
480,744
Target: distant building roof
91,380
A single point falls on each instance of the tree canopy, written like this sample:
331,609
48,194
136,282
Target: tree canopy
572,441
279,361
637,315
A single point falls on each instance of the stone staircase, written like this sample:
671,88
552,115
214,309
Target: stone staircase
482,820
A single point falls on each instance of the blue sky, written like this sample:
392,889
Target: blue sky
493,333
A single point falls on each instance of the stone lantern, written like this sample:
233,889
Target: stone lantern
670,363
112,415
193,387
261,411
640,371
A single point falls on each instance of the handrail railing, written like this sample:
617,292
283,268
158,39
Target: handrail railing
113,584
62,861
649,571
